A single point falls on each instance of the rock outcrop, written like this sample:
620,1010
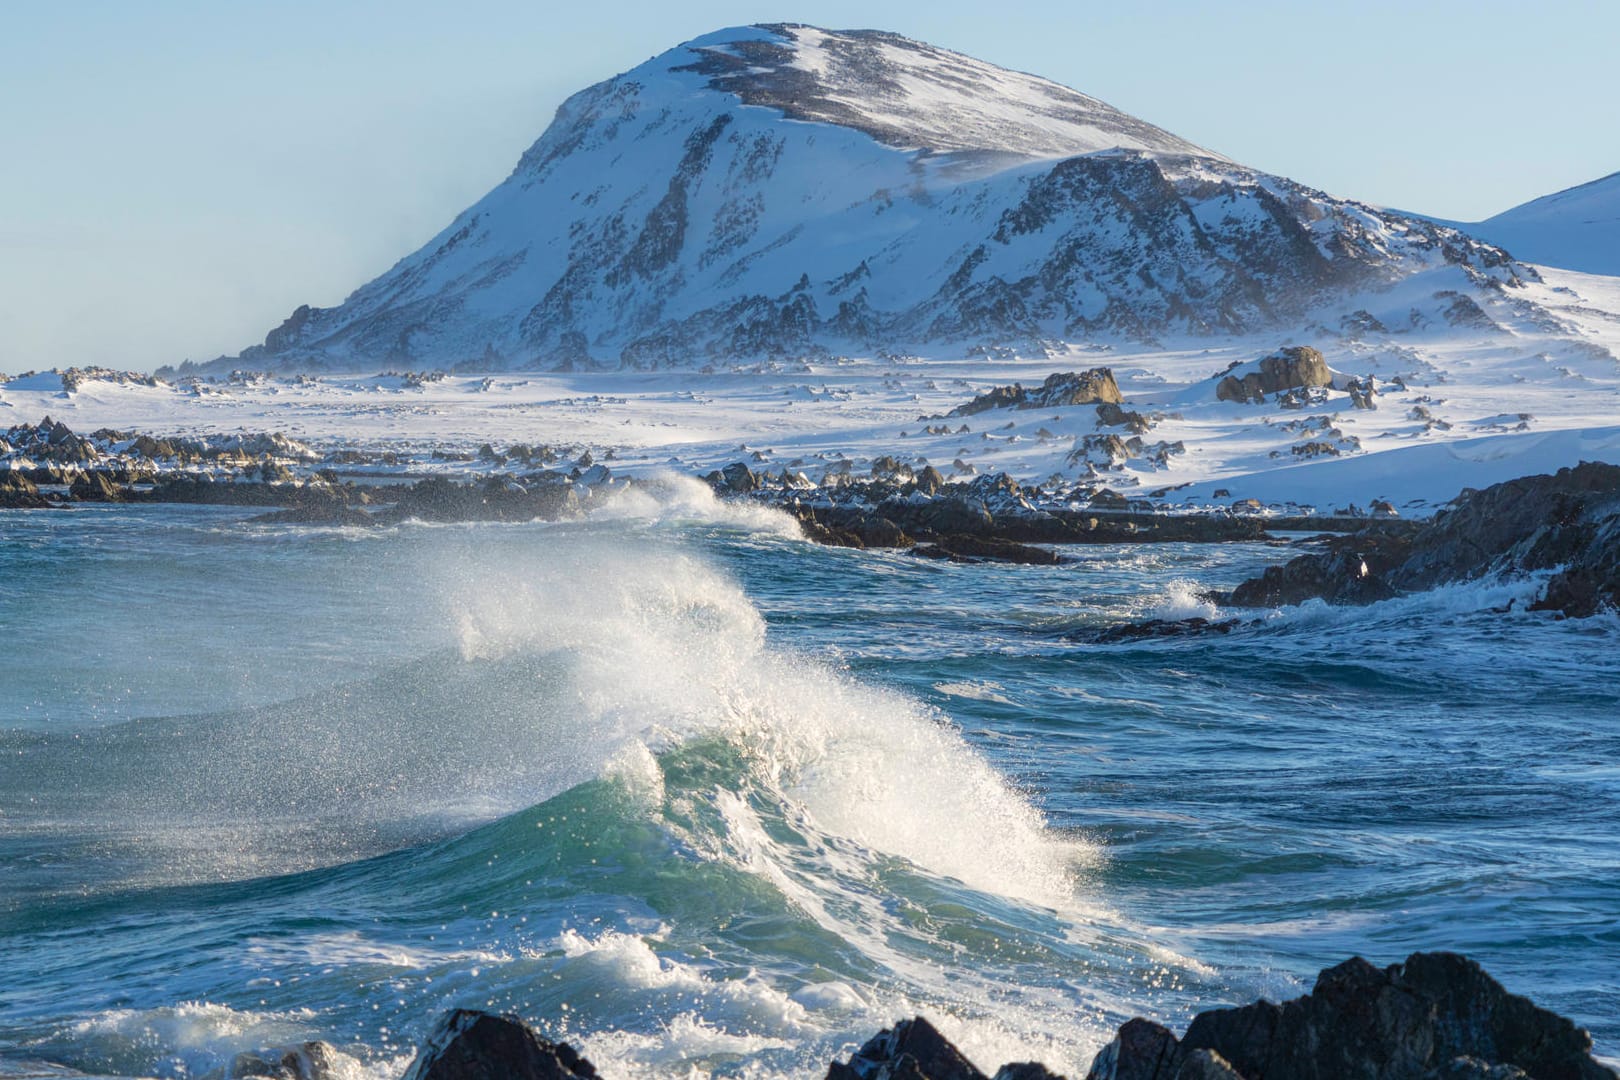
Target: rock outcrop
469,1045
496,499
1567,523
307,1061
1353,570
1435,1016
912,1048
989,517
17,492
95,487
1288,368
1060,390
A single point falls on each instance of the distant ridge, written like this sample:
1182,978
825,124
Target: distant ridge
1575,229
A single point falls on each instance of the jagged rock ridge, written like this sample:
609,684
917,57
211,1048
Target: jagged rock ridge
784,191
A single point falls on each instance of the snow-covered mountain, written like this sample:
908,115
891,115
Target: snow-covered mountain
1575,229
784,191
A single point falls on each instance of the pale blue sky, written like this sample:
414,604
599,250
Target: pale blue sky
176,176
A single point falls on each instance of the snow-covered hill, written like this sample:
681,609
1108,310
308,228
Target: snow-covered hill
789,192
1574,229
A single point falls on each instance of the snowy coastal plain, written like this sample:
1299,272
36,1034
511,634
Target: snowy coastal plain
1453,410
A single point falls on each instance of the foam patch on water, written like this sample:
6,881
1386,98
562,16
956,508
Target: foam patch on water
672,498
351,949
709,1018
1494,594
191,1038
981,690
1180,600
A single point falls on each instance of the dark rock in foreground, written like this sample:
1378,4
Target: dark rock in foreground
309,1061
910,1049
468,1045
1569,522
1438,1015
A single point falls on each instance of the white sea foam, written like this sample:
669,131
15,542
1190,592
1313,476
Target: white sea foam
663,649
1492,593
978,690
674,498
1182,599
194,1037
842,792
351,949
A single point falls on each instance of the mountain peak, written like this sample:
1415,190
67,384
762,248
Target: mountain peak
911,95
786,191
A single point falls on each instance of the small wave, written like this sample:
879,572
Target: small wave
668,497
1182,599
190,1039
1494,594
976,691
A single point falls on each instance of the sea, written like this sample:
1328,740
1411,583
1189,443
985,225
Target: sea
702,798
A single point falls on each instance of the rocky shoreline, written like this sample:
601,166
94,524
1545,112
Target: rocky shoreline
1566,525
983,517
1434,1016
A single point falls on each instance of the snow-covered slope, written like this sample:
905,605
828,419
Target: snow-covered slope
911,95
783,191
1574,229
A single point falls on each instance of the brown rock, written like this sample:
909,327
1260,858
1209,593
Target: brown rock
1285,369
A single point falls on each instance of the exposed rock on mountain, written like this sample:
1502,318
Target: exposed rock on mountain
783,191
